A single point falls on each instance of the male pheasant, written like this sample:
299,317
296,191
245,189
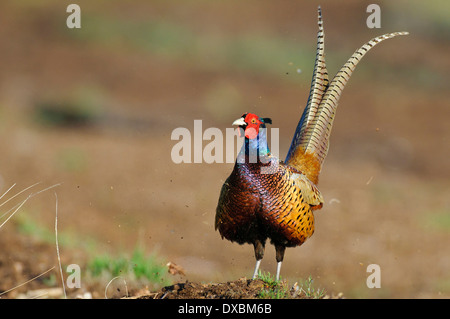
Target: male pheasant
265,198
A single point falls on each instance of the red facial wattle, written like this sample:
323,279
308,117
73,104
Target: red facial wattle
251,132
253,124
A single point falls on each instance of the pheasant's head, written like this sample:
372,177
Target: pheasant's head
251,123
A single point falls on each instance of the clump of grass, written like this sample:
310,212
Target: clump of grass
274,289
309,291
138,267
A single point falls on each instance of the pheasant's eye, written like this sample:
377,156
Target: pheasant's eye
253,121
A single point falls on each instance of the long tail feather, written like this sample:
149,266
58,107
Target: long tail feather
319,84
310,143
316,137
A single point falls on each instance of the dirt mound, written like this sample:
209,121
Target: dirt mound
239,289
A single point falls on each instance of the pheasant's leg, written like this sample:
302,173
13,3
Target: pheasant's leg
279,249
255,273
259,254
278,270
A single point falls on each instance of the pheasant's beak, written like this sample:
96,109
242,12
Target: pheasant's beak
239,122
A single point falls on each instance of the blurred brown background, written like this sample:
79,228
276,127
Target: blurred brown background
94,109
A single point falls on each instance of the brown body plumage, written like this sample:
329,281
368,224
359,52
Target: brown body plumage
277,205
265,198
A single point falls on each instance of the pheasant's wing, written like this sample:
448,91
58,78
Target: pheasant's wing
288,208
319,83
309,191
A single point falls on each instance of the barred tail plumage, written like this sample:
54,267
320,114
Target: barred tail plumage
310,144
316,137
319,84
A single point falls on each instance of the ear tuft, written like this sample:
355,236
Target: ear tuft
267,120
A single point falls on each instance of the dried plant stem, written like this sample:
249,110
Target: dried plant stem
126,287
24,283
57,246
18,206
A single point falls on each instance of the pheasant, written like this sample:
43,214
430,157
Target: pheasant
266,198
